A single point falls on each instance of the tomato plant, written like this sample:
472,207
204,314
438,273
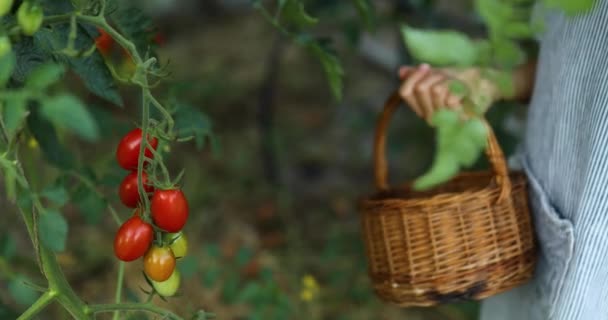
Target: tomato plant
169,209
133,239
127,152
40,42
159,263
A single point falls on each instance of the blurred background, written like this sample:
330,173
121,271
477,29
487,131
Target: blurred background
274,229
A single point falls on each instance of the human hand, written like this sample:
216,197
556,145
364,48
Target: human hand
427,89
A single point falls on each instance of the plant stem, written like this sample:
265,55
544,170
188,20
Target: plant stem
121,275
40,304
145,115
47,260
161,109
98,308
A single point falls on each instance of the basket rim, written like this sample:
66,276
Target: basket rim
519,179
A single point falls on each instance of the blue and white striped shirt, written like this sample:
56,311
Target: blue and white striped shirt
565,154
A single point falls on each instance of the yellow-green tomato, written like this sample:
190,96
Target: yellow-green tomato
5,7
29,17
178,243
168,287
5,45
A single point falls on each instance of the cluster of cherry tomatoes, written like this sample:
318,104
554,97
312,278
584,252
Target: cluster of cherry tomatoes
159,241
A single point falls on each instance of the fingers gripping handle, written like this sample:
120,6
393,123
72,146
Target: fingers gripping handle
493,151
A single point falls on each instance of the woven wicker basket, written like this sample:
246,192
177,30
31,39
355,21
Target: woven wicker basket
468,239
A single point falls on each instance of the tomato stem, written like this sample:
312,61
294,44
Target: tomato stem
43,301
119,280
145,115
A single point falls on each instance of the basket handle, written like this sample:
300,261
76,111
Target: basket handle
493,151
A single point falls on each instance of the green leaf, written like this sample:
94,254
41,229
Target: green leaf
24,201
133,23
571,7
44,132
53,230
190,121
518,30
476,131
188,266
91,204
504,81
14,113
23,294
29,55
7,64
293,13
459,144
440,48
444,118
495,13
107,122
484,53
444,168
44,75
56,193
331,66
69,112
508,54
365,8
91,69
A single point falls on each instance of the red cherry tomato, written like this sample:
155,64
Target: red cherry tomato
169,209
104,42
128,192
133,239
159,263
128,149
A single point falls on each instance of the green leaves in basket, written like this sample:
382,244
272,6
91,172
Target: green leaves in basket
459,144
439,47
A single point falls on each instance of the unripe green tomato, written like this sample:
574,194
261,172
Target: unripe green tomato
5,45
5,7
178,243
29,17
168,287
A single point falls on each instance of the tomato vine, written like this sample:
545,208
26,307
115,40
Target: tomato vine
46,227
